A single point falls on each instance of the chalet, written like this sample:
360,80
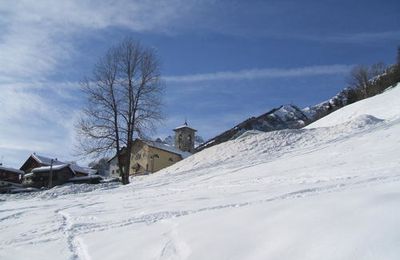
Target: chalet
10,174
40,177
36,161
37,169
10,179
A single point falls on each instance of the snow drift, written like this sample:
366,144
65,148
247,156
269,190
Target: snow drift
329,191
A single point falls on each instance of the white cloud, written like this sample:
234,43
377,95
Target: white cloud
355,38
36,38
36,117
263,73
36,35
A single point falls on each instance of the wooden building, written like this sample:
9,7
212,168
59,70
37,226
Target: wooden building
37,171
40,177
36,161
10,174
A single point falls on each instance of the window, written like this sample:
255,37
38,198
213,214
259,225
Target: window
170,159
138,156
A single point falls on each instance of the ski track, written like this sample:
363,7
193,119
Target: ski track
71,230
75,244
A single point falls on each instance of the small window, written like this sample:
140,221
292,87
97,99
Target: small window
170,159
138,156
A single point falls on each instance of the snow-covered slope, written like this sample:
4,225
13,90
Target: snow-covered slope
384,106
283,117
317,193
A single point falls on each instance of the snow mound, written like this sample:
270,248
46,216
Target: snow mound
249,133
70,189
384,106
362,121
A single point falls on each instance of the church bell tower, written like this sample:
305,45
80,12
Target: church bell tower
184,138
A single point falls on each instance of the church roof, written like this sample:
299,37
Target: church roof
167,148
185,125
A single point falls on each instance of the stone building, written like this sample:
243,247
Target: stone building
184,138
151,156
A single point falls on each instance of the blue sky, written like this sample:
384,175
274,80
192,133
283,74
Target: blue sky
222,61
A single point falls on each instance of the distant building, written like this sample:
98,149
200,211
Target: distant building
113,164
37,170
151,156
36,161
185,138
40,177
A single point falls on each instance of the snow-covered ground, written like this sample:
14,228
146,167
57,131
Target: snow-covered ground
331,191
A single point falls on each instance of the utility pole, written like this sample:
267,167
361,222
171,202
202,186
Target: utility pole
51,174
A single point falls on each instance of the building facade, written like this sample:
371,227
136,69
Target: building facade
152,156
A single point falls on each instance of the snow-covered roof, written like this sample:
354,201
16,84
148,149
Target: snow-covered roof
46,160
167,148
47,168
185,125
81,169
8,169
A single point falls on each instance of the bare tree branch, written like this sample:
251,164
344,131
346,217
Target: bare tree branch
123,102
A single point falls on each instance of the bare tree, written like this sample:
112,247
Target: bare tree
124,102
359,79
364,78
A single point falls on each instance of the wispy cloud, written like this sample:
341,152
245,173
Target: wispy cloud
263,73
356,38
37,38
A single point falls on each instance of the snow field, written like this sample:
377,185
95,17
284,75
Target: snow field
329,191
